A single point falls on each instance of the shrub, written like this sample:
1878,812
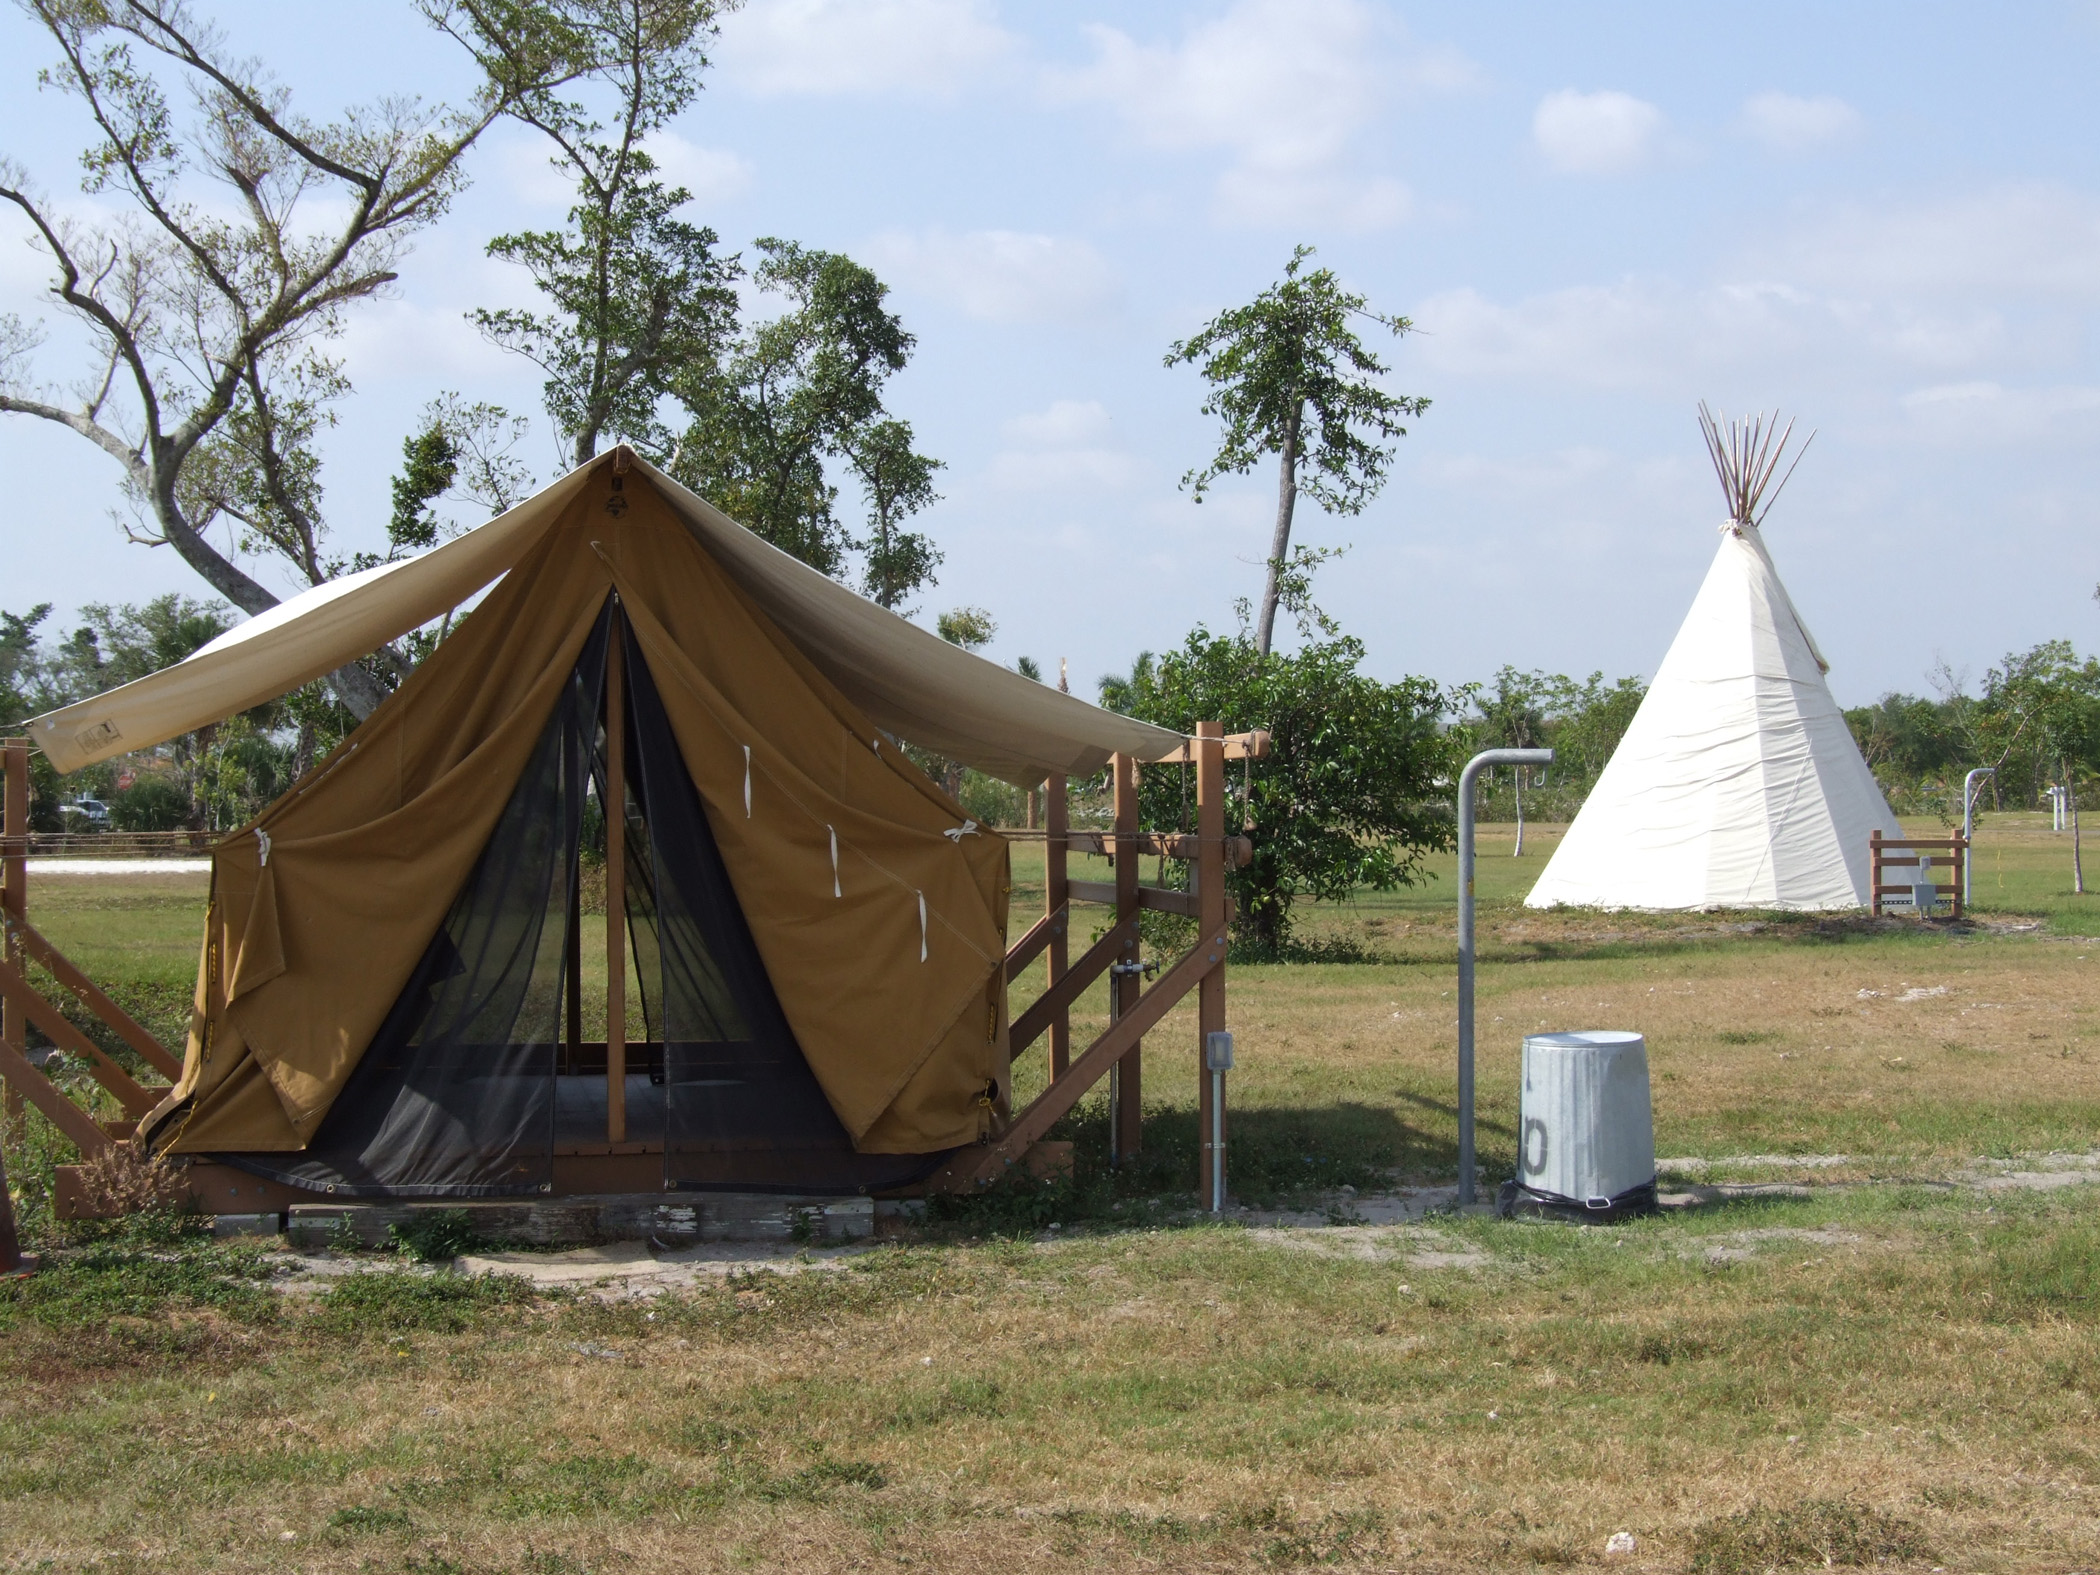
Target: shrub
149,804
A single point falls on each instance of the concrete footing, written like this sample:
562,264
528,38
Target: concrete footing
680,1219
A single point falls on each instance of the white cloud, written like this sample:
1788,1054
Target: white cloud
1285,88
1789,124
710,174
1662,335
1604,133
862,47
1069,446
2039,239
1067,423
1988,412
1002,276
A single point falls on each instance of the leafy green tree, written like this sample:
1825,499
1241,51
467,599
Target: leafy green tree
116,645
1512,716
898,483
20,669
459,451
793,391
1119,691
972,628
1288,376
1916,749
1349,794
2042,708
1580,720
204,319
790,395
1589,718
634,294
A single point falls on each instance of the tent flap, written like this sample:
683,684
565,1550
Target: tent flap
905,679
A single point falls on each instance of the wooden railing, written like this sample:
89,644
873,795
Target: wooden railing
1889,853
22,1005
120,844
1117,1053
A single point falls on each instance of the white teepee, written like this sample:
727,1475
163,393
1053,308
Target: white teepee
1738,784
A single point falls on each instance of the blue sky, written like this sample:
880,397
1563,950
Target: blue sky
1883,219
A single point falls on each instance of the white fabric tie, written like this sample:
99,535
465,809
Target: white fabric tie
747,782
922,926
955,834
835,891
262,843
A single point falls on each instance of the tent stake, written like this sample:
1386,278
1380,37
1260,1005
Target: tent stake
615,885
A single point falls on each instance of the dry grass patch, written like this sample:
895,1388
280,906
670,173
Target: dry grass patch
1467,1395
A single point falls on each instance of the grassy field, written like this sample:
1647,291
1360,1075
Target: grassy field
1875,1376
1893,1365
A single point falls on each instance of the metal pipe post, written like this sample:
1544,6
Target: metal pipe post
1209,886
1466,779
1968,828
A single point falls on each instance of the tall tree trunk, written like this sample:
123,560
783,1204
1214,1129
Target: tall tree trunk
2077,859
359,691
1279,548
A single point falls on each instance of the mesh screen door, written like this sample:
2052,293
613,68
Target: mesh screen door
479,1076
455,1097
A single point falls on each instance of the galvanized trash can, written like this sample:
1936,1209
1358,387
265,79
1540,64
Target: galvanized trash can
1586,1129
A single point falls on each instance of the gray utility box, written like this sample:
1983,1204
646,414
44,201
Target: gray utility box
1586,1128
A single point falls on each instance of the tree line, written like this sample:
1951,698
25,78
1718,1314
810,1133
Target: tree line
2034,720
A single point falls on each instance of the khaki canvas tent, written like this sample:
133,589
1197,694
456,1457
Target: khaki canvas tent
389,998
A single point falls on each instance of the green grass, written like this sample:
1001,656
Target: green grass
1894,1374
1902,1372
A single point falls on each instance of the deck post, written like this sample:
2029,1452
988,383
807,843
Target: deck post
14,895
1126,1089
1057,891
1874,873
1210,900
615,887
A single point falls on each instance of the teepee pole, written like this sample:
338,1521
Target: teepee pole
615,887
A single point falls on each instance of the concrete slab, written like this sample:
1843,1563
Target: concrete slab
581,1266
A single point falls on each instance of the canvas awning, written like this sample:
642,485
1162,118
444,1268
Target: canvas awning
907,680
